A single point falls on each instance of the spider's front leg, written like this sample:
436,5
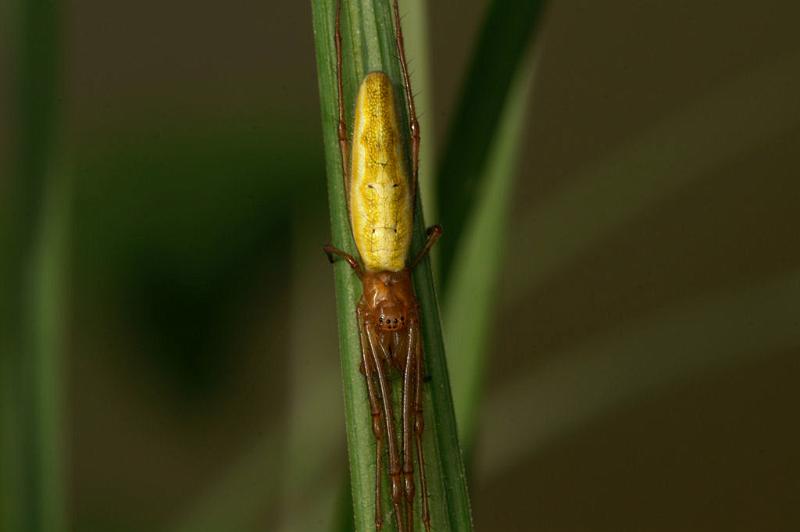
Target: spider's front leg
409,422
419,424
369,369
395,471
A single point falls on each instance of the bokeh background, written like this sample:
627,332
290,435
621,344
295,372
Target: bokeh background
644,359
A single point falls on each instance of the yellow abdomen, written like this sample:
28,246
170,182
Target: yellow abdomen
380,198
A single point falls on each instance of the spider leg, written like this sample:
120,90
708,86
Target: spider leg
377,413
344,145
330,251
434,232
386,395
409,400
413,124
419,426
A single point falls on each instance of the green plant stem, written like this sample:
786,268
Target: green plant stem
369,45
35,205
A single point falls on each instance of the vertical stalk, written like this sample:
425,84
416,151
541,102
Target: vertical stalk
504,37
368,37
471,298
35,206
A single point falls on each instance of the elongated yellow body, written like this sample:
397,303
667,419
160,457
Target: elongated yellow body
380,196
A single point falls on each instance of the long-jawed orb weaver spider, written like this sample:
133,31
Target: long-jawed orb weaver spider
380,200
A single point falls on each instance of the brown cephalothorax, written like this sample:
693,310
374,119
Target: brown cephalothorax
380,194
388,299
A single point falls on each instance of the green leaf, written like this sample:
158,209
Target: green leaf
502,43
471,299
34,203
368,37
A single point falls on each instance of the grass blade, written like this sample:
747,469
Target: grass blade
500,49
35,204
369,45
471,299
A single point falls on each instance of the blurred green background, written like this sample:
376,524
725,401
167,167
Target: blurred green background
163,240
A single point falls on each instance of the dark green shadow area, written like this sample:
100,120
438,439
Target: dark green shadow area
178,224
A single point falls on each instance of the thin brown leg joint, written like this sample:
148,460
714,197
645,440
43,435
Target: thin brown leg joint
433,232
332,251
